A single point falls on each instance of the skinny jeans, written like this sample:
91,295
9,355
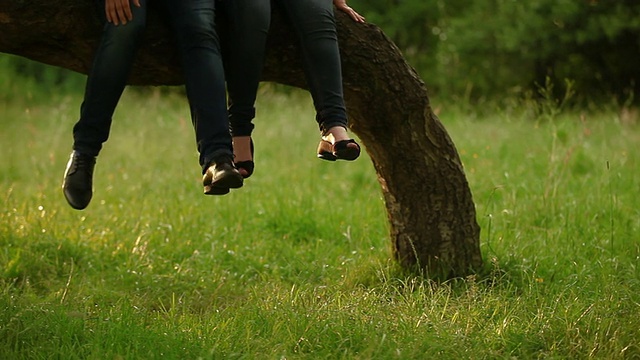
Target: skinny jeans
192,22
314,25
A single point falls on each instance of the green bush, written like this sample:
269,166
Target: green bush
490,48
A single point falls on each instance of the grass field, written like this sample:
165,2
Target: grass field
296,264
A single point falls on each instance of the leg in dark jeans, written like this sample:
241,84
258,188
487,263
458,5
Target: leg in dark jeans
314,24
106,82
107,79
197,41
247,26
199,46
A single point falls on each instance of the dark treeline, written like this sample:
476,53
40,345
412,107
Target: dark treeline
495,48
491,49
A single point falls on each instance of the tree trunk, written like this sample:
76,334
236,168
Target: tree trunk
428,200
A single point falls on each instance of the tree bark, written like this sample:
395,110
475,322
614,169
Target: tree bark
430,207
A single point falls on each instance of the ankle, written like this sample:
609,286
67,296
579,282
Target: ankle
336,134
242,148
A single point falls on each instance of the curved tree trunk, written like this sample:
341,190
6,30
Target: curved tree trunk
428,200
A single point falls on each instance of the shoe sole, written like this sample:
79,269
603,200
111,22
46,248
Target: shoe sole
211,190
325,155
222,185
348,154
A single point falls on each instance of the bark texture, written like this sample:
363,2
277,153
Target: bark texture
429,203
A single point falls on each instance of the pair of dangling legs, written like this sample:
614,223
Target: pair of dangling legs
314,25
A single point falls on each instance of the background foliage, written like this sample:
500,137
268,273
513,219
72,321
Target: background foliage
493,48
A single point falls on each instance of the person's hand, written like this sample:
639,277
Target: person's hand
119,11
342,6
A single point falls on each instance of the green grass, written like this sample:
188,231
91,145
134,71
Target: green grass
296,264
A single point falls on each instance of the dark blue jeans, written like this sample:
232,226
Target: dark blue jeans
192,22
243,51
314,25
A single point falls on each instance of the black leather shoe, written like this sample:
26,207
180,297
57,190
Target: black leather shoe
221,176
78,179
